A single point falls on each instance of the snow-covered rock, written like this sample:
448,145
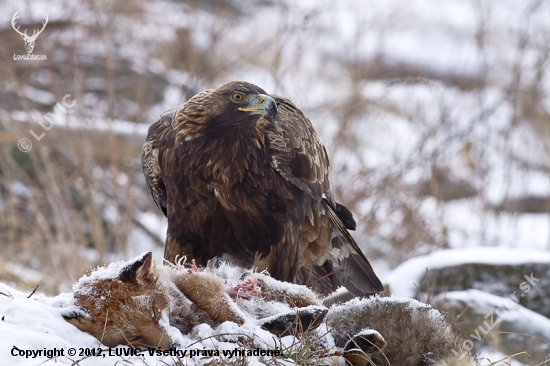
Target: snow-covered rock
499,271
500,323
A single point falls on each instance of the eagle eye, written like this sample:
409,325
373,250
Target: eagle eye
238,97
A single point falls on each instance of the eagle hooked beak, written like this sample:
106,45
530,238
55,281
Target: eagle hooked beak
261,104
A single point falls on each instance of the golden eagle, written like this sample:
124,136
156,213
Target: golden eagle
243,176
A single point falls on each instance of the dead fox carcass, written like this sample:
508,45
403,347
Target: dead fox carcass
139,304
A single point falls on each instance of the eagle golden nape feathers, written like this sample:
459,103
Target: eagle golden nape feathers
242,175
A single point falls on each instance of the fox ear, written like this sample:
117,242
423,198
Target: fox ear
138,272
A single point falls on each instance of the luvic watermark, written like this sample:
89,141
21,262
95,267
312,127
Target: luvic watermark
25,144
490,322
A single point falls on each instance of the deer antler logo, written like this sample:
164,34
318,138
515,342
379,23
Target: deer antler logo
29,41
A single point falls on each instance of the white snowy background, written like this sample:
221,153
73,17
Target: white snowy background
435,116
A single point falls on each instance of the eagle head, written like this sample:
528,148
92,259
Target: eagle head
225,112
244,99
224,130
237,103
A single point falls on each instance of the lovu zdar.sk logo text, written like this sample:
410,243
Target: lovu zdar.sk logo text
29,40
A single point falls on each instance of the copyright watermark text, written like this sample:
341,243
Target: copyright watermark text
25,144
136,352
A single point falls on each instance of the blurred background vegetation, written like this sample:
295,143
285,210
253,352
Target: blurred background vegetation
436,118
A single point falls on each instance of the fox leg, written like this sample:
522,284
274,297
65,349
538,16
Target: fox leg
294,295
296,322
309,315
208,292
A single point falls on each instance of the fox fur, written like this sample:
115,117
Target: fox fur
134,303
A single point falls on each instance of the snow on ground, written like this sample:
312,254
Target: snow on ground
403,278
35,323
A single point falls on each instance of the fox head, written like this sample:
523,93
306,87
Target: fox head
125,308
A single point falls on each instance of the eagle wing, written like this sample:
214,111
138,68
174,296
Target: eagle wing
299,156
159,137
297,151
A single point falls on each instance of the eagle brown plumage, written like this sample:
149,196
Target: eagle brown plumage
243,176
